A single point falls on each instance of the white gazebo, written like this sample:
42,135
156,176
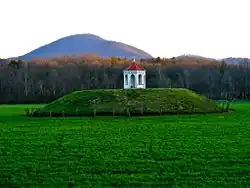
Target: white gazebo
134,76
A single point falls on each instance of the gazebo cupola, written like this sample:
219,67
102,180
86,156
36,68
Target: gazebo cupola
134,76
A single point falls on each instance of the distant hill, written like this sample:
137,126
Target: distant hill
84,44
3,61
197,57
232,60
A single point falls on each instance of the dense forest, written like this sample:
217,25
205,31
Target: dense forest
44,80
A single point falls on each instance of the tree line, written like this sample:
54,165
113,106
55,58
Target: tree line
44,80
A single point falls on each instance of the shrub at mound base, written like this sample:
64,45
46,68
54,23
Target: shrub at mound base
129,102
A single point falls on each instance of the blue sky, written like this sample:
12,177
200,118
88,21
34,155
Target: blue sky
165,28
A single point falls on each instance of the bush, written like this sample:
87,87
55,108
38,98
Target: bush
30,111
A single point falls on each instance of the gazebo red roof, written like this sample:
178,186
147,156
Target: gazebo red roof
135,67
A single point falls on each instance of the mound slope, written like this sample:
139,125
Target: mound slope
129,102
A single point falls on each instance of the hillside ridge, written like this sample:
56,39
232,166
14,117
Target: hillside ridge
80,44
153,101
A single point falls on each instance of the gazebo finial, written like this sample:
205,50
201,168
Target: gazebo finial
134,60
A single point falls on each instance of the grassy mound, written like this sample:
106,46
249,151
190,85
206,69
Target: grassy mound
129,102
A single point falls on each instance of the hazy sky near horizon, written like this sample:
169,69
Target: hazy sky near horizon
166,28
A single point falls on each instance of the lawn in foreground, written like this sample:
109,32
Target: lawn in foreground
178,151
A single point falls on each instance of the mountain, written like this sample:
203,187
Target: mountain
2,61
84,44
233,60
230,60
197,57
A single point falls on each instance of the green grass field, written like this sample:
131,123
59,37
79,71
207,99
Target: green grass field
166,151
